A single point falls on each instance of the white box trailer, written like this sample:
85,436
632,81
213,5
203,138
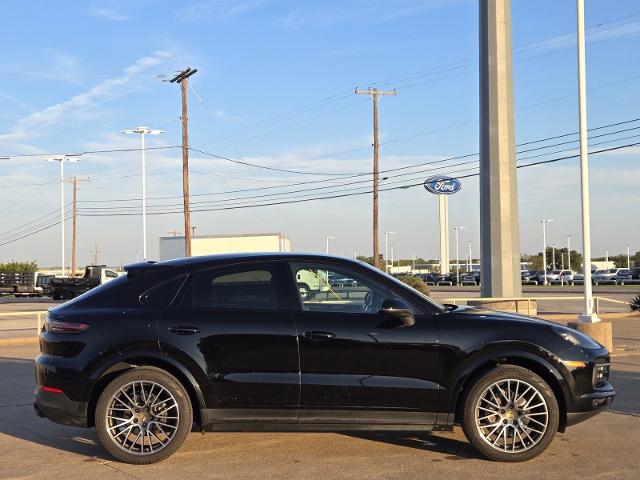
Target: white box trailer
173,247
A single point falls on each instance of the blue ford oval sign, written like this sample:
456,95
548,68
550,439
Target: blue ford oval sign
442,185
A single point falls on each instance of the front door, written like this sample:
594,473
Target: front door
354,365
230,322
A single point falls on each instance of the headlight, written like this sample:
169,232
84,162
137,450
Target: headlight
577,338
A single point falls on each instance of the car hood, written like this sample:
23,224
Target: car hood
482,313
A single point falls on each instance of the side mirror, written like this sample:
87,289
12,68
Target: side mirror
398,312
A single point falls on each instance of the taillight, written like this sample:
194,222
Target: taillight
50,389
59,326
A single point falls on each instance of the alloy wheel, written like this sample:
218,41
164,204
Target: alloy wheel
142,417
511,416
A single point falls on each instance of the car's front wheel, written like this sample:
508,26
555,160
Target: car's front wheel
510,414
143,416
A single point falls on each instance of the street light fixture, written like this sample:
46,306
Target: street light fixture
457,230
142,131
329,238
386,250
544,247
61,160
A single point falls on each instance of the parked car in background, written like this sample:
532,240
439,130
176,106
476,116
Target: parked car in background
632,275
427,277
228,343
469,277
609,275
562,277
528,276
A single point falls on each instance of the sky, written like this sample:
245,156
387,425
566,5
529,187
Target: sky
274,89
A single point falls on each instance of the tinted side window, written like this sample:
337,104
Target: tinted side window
238,288
162,295
329,289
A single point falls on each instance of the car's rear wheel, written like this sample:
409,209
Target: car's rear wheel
510,414
143,416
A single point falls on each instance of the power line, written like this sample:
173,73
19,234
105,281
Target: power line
406,167
348,184
350,193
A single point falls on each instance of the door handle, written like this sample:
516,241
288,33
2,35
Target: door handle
183,330
317,336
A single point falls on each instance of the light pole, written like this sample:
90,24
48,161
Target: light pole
142,131
329,238
413,260
470,246
386,250
569,251
457,230
544,247
553,257
589,316
392,257
628,256
61,160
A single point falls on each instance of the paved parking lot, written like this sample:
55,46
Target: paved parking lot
33,448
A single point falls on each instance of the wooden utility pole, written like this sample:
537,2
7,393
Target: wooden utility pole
375,93
183,79
74,236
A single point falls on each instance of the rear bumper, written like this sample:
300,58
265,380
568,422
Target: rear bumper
58,408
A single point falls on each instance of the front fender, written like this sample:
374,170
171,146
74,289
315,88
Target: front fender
483,358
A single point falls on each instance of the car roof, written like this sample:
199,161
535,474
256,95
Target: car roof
180,265
204,260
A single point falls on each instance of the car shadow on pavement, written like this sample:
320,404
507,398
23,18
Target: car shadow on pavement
19,420
454,449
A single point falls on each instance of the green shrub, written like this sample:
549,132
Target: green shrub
416,283
19,267
635,303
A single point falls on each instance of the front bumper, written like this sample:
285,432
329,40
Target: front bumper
591,404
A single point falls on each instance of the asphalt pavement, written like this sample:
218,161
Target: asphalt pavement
606,446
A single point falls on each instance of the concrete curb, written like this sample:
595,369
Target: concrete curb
18,341
603,316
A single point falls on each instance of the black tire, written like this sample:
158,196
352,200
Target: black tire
474,433
304,291
184,409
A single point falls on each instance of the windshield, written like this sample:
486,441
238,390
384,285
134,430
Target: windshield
612,270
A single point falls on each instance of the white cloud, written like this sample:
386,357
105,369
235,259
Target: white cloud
362,11
30,126
107,12
219,10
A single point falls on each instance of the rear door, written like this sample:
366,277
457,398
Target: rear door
232,323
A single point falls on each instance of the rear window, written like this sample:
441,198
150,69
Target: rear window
100,290
163,295
236,288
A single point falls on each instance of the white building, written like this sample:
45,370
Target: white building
173,247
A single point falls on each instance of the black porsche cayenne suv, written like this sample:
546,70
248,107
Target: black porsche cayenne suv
266,342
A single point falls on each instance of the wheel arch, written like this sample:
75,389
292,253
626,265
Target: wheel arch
531,361
147,359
